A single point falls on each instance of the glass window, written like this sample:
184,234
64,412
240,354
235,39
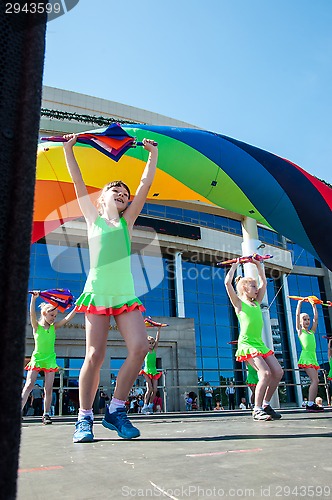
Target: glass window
212,377
191,311
193,217
209,363
204,281
208,336
75,365
190,297
301,257
206,314
115,365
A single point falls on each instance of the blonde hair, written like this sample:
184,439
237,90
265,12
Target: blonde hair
99,201
302,316
45,308
241,284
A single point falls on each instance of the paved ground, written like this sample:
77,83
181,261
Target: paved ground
223,455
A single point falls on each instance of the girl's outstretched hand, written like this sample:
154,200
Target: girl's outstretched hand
148,144
70,140
35,293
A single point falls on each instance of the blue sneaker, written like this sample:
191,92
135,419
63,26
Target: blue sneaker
83,432
119,422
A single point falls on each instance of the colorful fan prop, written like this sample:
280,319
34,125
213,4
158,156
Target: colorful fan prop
312,299
243,260
200,166
113,141
149,323
61,298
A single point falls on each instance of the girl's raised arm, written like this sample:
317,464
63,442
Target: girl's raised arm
157,339
65,320
315,318
236,302
298,317
262,281
135,208
87,207
33,316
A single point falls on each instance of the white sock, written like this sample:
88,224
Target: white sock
266,403
257,408
115,404
85,413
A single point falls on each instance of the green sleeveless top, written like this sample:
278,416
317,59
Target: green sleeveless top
250,341
307,340
43,356
150,362
329,376
110,284
308,355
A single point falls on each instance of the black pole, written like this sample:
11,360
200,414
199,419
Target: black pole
22,46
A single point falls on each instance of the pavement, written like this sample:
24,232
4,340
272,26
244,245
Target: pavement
180,455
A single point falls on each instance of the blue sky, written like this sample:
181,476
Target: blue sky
256,70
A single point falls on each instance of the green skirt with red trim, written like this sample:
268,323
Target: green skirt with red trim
42,362
40,369
252,376
152,377
329,375
245,352
308,360
109,305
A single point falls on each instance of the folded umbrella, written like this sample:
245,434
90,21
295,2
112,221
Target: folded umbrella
150,323
61,298
312,299
113,141
244,260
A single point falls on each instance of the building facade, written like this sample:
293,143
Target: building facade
176,248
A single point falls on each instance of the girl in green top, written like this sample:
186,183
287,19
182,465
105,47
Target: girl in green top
308,359
151,373
329,355
329,375
252,381
251,348
43,357
109,290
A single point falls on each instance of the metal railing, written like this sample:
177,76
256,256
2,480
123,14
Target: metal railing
177,391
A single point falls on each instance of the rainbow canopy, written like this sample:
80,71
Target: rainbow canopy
196,165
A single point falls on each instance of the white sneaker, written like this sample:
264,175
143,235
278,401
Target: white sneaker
260,415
